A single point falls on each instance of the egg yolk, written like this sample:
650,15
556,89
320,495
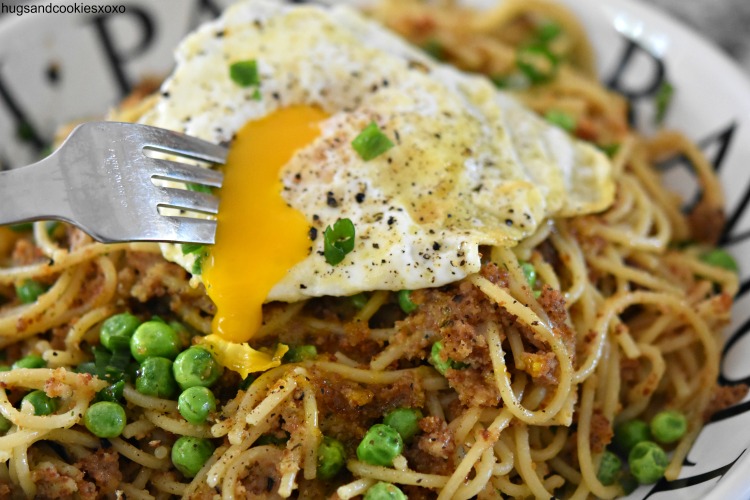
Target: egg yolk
258,237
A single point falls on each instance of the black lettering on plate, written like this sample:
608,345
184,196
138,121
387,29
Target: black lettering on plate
117,55
204,7
649,89
677,484
736,337
25,130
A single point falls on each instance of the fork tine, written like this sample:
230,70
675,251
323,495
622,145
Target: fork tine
188,200
191,230
167,141
176,171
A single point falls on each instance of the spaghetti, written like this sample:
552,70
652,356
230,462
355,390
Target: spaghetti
622,320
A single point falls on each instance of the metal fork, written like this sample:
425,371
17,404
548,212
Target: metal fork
101,180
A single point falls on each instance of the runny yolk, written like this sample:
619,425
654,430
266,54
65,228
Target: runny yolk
258,238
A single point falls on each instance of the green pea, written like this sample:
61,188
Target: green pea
154,339
155,378
381,444
300,353
331,458
720,258
117,330
196,403
5,424
30,361
529,272
384,491
30,290
405,421
437,361
630,433
105,419
196,367
609,468
647,461
42,404
359,301
404,301
668,426
189,454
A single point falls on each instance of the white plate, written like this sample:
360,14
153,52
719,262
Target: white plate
59,67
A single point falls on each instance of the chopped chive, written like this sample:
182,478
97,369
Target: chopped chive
561,119
338,241
300,353
609,149
537,62
404,300
22,228
245,73
435,49
191,248
197,265
663,99
371,142
256,95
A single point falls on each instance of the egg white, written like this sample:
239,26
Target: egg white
470,166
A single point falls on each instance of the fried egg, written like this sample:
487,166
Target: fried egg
469,165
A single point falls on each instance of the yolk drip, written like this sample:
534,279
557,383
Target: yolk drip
259,238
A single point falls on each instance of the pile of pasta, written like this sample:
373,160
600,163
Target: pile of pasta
590,323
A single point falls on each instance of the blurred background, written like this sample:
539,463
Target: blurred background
726,22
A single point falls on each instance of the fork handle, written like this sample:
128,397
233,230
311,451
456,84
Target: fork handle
34,192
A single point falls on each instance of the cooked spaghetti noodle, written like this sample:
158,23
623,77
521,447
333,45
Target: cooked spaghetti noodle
626,320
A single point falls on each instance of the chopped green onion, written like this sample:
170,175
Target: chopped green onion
609,149
371,142
529,273
256,95
197,265
23,227
435,49
112,393
513,81
338,241
359,301
663,100
198,188
245,73
537,63
561,119
191,248
548,32
720,258
270,439
404,300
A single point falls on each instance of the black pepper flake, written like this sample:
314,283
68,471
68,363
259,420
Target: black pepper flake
508,222
316,217
375,245
219,34
303,287
360,197
165,94
313,233
391,220
297,177
436,246
331,200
